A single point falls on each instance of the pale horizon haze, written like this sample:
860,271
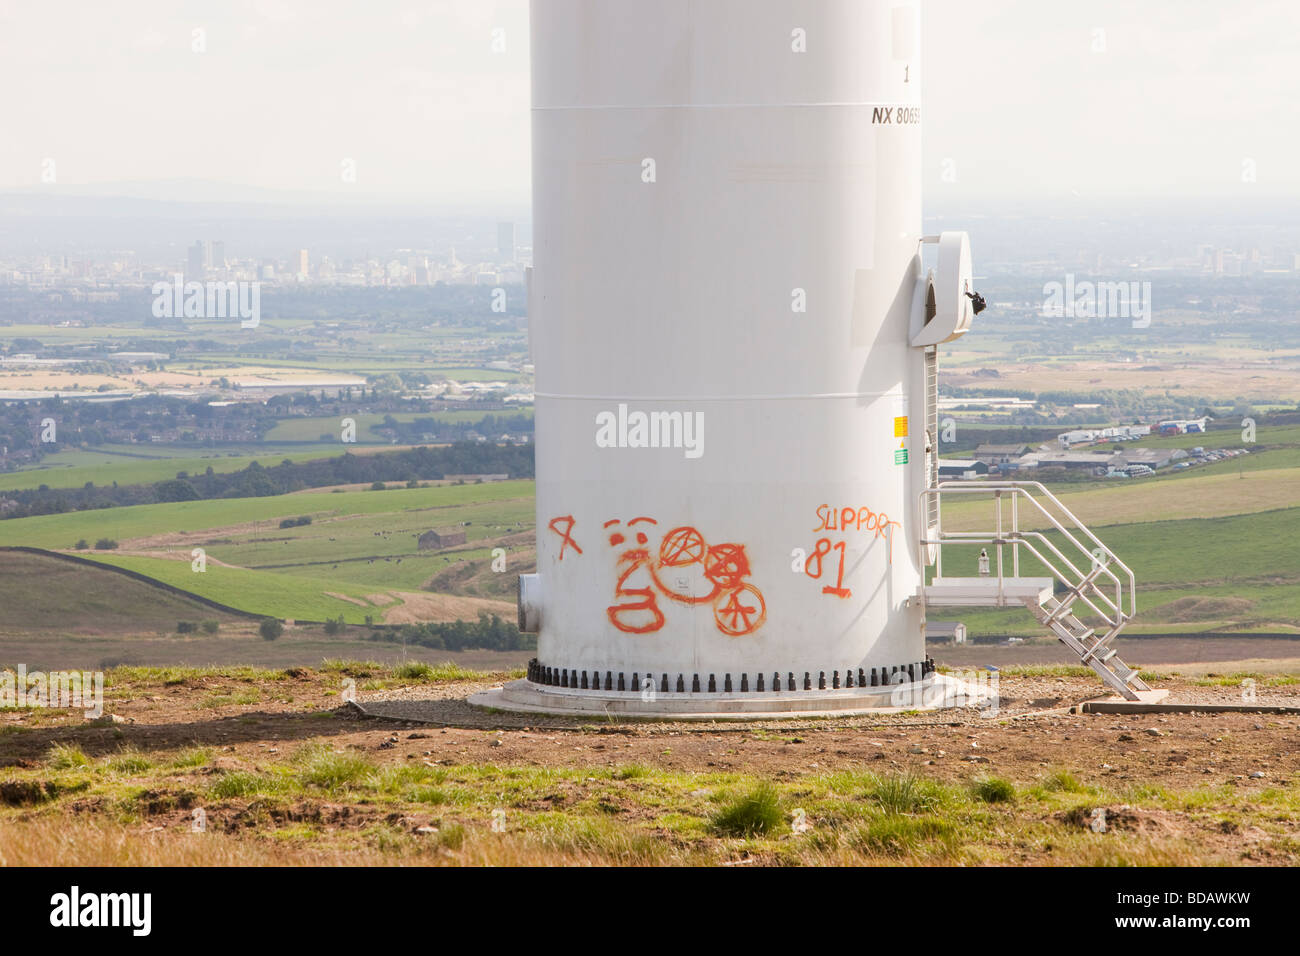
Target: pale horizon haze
430,101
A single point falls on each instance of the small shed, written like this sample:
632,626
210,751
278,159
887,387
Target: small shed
953,632
437,540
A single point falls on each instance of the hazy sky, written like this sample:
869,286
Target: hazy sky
1184,97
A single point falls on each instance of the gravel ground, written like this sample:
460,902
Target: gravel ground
447,705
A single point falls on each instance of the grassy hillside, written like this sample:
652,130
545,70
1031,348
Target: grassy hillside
44,594
277,595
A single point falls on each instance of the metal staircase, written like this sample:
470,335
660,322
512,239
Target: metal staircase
1107,588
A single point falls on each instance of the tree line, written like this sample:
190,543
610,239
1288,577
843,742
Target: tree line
408,467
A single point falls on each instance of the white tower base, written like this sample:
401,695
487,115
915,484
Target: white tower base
934,692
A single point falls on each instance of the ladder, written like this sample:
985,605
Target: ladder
932,433
1093,648
1088,575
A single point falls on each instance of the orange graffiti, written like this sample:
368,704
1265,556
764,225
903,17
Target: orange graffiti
738,607
566,534
854,519
736,618
823,549
619,613
727,566
680,547
858,519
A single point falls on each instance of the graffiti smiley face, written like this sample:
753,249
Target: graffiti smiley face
636,610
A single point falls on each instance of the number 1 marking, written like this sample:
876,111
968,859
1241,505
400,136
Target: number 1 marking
839,590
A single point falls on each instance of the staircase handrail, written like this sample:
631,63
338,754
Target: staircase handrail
1022,490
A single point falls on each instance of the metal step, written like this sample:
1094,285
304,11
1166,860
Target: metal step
1119,676
987,592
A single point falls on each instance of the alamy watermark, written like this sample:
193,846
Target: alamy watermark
179,299
58,689
74,909
1085,299
628,429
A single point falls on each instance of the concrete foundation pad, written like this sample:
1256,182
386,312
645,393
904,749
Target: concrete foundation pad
1158,705
1151,696
934,693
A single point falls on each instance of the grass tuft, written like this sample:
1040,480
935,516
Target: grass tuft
993,790
902,835
904,793
241,783
1062,781
429,674
755,813
129,760
66,757
320,766
194,757
336,665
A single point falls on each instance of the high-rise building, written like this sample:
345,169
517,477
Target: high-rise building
506,242
217,259
304,262
196,261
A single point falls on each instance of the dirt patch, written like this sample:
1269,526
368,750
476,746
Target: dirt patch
22,793
423,608
1189,609
1124,818
476,577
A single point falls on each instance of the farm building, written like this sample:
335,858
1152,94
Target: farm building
953,632
1066,459
1000,454
437,540
961,467
1151,457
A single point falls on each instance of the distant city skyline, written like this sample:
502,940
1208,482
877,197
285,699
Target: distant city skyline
429,103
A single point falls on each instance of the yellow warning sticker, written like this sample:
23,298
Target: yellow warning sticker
900,427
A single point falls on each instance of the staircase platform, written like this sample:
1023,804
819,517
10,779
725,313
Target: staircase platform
988,592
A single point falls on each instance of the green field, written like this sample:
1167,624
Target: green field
146,521
1263,483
